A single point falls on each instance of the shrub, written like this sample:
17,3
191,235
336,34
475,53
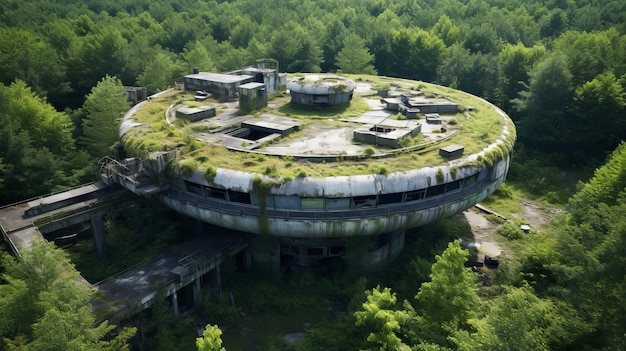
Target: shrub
510,231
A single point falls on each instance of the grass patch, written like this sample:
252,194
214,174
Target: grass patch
478,131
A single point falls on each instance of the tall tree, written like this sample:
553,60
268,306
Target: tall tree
546,103
195,55
159,73
354,57
36,147
102,111
45,306
449,300
382,320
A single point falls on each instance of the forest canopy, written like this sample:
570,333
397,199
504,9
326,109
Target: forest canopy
557,67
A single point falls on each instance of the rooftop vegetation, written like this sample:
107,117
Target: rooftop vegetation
476,129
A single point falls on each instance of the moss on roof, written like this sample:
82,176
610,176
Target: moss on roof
476,129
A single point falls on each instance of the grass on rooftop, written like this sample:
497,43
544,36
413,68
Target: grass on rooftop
479,128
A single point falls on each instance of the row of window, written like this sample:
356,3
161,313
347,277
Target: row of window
331,204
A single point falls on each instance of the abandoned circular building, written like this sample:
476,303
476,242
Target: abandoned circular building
314,182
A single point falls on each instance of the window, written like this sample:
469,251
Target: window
454,185
237,196
215,193
364,201
315,251
338,204
194,188
415,195
392,198
312,203
436,190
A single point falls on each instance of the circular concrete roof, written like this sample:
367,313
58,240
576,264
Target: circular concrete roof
285,142
321,85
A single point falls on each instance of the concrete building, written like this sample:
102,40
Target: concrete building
312,188
227,84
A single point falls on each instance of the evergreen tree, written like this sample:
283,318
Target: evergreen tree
354,57
102,112
44,305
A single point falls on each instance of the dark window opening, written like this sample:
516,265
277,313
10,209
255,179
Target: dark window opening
415,195
436,190
453,186
194,188
238,196
364,201
315,251
392,198
337,250
470,180
216,193
290,250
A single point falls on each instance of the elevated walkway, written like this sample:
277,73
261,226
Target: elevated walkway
134,289
23,222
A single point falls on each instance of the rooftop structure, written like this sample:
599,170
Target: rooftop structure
308,181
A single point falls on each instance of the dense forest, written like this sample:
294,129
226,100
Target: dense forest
557,67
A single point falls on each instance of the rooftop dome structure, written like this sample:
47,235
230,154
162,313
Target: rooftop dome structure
306,181
321,90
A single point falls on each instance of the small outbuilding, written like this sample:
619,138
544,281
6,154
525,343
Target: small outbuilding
195,114
451,151
252,96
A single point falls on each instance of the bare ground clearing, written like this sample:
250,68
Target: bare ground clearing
484,231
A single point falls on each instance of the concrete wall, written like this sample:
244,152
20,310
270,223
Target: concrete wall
324,224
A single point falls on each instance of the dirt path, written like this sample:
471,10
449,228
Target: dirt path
484,230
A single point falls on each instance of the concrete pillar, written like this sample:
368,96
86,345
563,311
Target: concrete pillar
197,292
217,279
199,227
97,228
175,304
266,253
247,259
396,244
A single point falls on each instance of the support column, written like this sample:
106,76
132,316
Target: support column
97,228
217,279
175,304
197,292
199,227
266,253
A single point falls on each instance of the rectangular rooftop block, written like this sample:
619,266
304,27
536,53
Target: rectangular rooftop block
195,113
451,151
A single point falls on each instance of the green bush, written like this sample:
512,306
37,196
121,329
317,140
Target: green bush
510,231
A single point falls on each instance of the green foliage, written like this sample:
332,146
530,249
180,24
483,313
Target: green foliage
354,57
37,151
449,299
439,175
510,230
383,321
102,112
210,340
45,306
210,174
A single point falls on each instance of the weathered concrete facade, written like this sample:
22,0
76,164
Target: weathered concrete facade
305,219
